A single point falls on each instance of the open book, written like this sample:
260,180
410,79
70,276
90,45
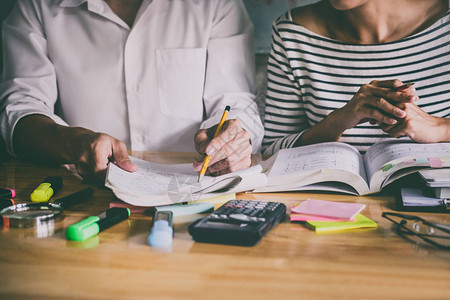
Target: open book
331,166
164,184
337,166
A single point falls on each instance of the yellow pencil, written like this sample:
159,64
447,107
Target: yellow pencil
208,158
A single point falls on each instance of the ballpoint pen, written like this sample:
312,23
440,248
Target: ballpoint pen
405,86
208,158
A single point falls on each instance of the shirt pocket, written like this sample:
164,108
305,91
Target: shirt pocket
181,78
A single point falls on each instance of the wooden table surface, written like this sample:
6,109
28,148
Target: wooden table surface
291,262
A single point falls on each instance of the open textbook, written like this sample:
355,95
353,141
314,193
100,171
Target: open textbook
333,166
337,166
164,184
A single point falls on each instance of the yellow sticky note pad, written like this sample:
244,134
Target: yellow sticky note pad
326,226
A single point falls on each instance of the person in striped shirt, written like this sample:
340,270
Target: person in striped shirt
342,70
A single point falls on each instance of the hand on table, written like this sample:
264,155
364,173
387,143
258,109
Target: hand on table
230,151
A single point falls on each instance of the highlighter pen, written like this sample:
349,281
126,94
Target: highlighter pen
51,185
161,234
94,224
6,203
218,129
7,193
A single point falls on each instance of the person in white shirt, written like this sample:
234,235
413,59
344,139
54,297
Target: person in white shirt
85,80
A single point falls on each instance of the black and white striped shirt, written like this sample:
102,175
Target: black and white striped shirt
310,75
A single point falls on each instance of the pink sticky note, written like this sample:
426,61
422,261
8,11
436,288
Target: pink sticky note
435,162
330,209
409,161
302,217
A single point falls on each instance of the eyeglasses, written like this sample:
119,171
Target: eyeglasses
416,229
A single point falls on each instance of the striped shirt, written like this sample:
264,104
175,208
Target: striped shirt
309,76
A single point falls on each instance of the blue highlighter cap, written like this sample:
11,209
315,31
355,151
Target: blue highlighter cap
161,234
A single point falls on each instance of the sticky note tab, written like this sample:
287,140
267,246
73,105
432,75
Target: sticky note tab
422,160
409,161
387,167
435,162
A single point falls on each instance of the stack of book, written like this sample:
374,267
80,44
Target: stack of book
327,216
429,194
438,181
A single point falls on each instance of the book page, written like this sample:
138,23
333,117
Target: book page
391,150
324,156
385,158
160,183
317,164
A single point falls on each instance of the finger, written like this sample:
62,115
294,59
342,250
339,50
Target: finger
378,116
241,164
229,131
201,140
390,94
239,145
398,131
198,163
387,108
233,162
390,84
120,155
386,127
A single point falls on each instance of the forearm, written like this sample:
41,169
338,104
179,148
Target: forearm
327,130
39,138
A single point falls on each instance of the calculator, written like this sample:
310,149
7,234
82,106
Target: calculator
238,222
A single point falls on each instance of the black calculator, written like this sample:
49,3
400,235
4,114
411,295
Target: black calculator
238,222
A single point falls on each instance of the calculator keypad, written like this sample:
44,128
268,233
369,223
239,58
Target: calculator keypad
244,211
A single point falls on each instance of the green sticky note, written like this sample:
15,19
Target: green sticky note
387,167
324,226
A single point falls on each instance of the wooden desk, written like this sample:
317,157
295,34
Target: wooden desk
290,262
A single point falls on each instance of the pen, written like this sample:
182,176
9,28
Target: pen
75,198
6,203
51,185
208,158
405,86
94,224
7,193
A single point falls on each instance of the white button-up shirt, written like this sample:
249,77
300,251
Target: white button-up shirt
151,86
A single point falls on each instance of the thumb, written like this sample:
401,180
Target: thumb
201,140
121,157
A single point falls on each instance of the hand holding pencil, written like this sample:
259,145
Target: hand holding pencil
227,147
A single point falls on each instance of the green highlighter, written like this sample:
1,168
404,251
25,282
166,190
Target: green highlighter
94,224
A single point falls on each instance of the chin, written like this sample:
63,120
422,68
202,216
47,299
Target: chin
346,4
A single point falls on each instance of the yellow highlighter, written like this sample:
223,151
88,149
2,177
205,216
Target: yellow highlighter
208,158
51,185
